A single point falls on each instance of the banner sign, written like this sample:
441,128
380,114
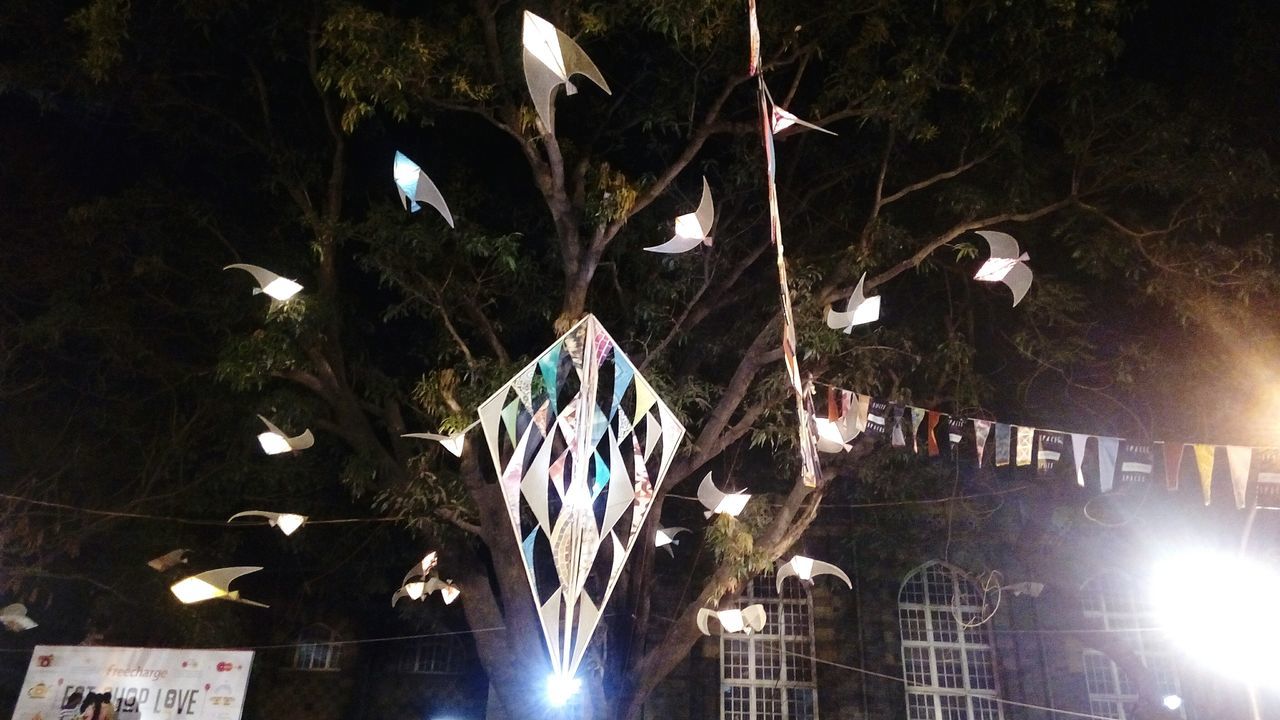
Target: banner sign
144,683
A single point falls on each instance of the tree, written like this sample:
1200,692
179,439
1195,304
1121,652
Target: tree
292,127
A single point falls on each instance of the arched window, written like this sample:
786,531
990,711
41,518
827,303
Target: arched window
948,662
769,675
317,649
1110,600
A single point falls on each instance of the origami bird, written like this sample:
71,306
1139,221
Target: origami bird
287,522
414,185
269,283
783,119
861,310
666,537
1007,264
717,502
213,584
550,59
692,228
15,618
807,569
452,443
749,619
422,569
413,590
169,560
831,435
275,442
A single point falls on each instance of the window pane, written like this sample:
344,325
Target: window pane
801,703
982,671
768,703
950,668
919,706
736,703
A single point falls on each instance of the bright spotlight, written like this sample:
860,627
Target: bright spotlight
560,688
1219,609
1172,702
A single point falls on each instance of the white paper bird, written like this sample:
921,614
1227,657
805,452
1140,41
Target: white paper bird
287,522
15,618
717,502
448,591
1007,264
452,443
692,228
861,310
413,590
269,283
783,119
213,584
414,185
550,59
807,569
750,619
422,569
666,537
832,437
169,560
275,442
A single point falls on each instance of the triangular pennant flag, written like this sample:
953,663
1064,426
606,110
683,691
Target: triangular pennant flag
955,434
1239,459
864,409
1266,485
930,431
877,419
981,431
1002,444
1172,463
1108,451
917,417
1026,441
1135,462
1078,443
895,426
1204,463
1049,449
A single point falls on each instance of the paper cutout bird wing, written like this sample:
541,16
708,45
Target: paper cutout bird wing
717,502
221,578
1007,264
665,537
861,310
813,569
169,560
422,569
15,618
297,442
783,119
414,185
452,443
401,593
705,614
277,286
692,228
753,618
550,59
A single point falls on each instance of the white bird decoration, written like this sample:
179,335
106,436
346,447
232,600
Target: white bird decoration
448,591
717,502
550,59
750,619
414,185
287,522
269,283
169,560
15,618
213,584
422,569
1007,264
861,310
692,228
452,443
832,437
276,442
783,119
666,537
807,569
413,590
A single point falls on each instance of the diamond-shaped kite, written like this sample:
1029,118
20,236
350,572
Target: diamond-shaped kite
580,443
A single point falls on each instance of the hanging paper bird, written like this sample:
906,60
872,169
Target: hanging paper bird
861,310
414,590
269,283
780,118
213,584
15,618
1007,264
448,591
414,185
275,442
692,228
750,619
169,560
807,569
550,59
287,522
422,569
666,537
452,443
832,437
717,502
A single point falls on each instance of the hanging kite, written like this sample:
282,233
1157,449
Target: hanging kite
1008,264
550,59
861,310
580,443
692,229
414,185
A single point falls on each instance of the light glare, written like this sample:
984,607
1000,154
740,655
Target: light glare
273,443
288,522
1172,702
194,590
560,688
281,289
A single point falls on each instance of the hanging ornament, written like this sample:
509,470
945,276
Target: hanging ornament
580,443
